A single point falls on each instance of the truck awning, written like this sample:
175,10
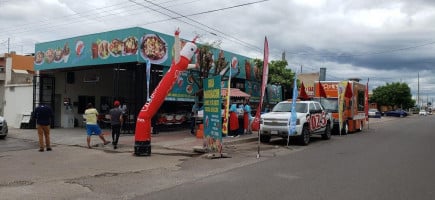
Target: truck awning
235,92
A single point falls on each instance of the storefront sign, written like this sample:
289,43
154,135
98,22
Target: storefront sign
128,45
119,46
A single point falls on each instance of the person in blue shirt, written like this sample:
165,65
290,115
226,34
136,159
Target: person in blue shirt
247,118
43,115
234,121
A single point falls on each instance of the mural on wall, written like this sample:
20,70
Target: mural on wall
126,45
253,88
138,45
184,89
274,94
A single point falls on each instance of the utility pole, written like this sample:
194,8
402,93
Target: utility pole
9,40
418,89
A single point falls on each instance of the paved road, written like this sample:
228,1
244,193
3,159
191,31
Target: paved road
392,160
13,144
376,164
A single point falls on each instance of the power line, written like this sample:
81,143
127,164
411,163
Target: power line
210,11
109,10
104,12
341,55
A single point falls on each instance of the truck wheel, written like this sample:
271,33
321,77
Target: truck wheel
327,134
304,138
265,138
345,129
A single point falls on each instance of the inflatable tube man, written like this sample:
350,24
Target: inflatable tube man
142,145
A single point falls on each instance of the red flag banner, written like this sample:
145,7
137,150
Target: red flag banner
302,93
322,92
256,122
348,92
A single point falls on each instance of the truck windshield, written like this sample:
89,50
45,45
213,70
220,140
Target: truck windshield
330,104
287,107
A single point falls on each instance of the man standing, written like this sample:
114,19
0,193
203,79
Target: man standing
43,115
193,115
247,118
92,127
116,121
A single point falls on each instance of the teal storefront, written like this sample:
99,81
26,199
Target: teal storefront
103,67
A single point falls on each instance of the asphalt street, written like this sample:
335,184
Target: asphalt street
392,160
389,160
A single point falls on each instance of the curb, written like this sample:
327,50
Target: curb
241,141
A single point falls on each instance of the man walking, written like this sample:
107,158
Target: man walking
116,121
43,115
92,127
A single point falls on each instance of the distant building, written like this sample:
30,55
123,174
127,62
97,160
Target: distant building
16,88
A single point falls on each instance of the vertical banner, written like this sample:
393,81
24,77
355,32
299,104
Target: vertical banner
227,108
256,123
293,115
212,114
148,74
341,91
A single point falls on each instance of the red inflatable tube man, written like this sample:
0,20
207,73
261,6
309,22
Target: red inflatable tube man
142,146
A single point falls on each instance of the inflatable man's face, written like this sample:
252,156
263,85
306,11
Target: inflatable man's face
188,50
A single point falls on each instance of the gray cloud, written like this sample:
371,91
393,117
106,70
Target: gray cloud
386,41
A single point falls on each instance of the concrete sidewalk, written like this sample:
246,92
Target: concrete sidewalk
166,142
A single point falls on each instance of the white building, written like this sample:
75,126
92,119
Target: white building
16,88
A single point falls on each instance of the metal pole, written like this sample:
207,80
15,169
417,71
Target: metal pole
258,145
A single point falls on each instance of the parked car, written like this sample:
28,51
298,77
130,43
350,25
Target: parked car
312,119
396,113
374,113
3,128
422,112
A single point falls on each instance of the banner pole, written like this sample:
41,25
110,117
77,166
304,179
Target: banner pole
258,144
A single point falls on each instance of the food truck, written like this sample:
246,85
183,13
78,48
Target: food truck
353,105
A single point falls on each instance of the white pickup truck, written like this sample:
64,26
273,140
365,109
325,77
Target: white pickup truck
311,119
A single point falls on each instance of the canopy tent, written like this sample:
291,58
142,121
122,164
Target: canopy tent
235,92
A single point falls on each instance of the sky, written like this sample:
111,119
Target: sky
382,41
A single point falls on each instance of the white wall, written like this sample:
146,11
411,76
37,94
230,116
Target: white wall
18,101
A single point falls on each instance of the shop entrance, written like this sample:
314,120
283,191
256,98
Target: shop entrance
44,93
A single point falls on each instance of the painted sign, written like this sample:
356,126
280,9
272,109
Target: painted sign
119,46
129,45
213,114
184,88
253,88
274,94
308,79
